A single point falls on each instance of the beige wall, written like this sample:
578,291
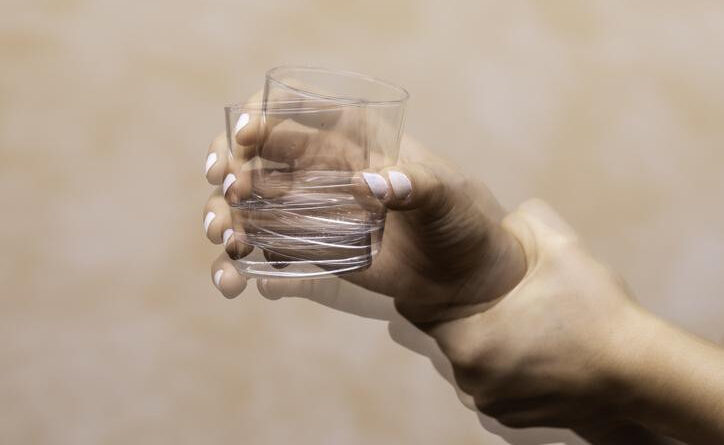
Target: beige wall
110,330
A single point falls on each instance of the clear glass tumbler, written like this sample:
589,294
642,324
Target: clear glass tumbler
302,210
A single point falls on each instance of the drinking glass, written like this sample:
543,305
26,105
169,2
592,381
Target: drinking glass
303,210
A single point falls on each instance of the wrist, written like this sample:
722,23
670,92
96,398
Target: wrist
500,268
629,359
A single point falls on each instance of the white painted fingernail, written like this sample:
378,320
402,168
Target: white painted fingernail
207,220
227,234
210,161
217,277
376,183
401,185
241,123
228,180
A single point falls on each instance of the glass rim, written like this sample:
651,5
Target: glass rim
404,95
288,106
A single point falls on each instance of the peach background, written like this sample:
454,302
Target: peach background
110,330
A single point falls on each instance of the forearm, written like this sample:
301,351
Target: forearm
625,434
676,383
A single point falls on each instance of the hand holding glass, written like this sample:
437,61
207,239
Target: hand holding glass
299,207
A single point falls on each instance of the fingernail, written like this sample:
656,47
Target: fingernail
228,180
227,234
207,220
401,185
210,161
376,183
241,123
217,277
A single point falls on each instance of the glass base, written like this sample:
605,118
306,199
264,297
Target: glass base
255,265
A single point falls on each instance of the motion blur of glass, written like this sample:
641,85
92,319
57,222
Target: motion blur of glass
303,210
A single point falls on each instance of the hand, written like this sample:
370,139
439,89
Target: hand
445,259
555,351
442,239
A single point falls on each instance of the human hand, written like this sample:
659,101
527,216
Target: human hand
446,259
442,238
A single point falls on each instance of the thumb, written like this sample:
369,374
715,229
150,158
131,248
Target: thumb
458,223
408,187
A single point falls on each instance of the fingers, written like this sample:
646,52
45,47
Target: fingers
283,142
277,134
244,125
320,289
286,142
247,133
223,225
216,159
236,186
276,131
235,240
226,278
407,187
217,218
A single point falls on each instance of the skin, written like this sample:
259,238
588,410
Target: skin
538,332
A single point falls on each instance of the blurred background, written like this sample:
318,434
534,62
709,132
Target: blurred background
110,329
